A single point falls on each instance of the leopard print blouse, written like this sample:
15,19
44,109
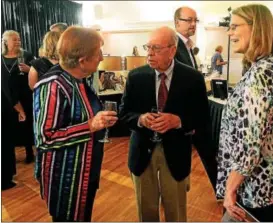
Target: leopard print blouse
246,136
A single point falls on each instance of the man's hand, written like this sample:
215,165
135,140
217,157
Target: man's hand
165,122
147,119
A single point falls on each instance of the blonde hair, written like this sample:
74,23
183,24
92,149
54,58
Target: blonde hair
5,38
77,42
50,45
261,40
41,51
218,48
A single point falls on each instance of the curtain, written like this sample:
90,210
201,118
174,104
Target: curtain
32,18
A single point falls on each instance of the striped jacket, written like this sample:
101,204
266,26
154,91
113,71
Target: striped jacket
69,156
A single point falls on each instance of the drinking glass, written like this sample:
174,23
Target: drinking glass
156,137
108,106
21,60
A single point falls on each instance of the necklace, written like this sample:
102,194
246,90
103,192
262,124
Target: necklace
9,70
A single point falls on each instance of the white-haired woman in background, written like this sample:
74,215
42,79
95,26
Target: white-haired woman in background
14,76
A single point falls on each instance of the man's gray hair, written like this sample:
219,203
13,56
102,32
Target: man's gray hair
60,25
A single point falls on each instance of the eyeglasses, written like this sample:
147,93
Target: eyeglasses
189,20
155,48
233,27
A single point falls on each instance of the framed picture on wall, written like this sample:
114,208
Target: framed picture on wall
112,81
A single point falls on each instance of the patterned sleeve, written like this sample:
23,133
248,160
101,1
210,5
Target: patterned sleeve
252,123
50,119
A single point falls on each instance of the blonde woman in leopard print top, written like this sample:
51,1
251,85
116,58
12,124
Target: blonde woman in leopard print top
245,158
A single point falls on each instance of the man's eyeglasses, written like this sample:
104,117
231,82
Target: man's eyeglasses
233,27
155,48
189,20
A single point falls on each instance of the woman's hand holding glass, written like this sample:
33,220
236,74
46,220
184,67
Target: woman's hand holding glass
102,120
22,66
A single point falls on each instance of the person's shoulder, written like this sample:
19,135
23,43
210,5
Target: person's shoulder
185,68
140,71
36,61
266,62
52,75
262,71
187,72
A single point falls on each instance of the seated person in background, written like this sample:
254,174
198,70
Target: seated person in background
50,57
195,51
245,158
217,61
59,27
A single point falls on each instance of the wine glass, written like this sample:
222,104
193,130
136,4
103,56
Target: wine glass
21,60
156,137
108,106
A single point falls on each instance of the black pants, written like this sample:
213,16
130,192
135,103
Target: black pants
89,204
8,160
264,214
29,150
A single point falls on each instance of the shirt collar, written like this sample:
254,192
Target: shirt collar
183,38
168,72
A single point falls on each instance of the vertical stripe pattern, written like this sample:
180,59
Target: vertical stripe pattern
65,145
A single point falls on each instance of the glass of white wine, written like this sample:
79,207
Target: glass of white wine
108,106
21,60
156,137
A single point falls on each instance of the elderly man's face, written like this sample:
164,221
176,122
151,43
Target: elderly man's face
186,23
161,51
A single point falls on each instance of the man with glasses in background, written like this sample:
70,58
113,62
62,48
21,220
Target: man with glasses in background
185,21
160,168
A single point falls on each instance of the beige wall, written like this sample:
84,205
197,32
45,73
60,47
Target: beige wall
121,44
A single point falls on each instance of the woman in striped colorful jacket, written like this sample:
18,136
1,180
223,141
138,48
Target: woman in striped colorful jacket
68,124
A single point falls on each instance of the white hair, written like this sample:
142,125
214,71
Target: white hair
5,38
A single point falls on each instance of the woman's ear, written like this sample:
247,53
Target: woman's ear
82,60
